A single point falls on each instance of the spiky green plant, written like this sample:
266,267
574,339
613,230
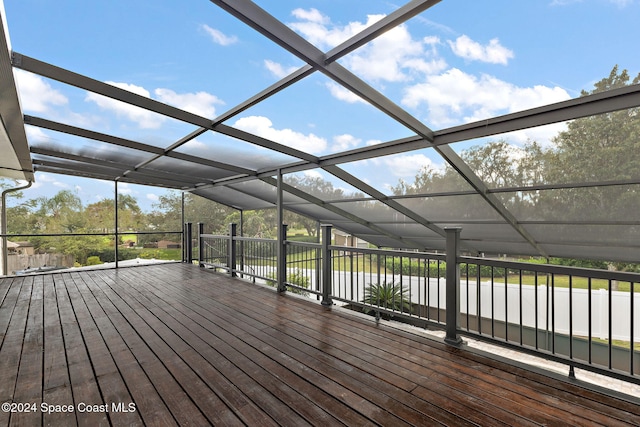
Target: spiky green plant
390,296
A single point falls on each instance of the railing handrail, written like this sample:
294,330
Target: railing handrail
392,252
88,234
303,244
251,239
595,273
215,236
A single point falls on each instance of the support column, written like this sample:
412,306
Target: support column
200,245
188,232
184,230
116,231
282,237
232,250
241,233
326,266
453,285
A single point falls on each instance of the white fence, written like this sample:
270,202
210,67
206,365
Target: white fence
350,286
22,261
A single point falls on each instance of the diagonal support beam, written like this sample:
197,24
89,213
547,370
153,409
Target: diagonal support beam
121,142
481,188
252,15
118,168
257,18
390,21
382,198
68,77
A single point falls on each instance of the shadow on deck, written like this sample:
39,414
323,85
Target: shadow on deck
174,345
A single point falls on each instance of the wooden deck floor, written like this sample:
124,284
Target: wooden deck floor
174,345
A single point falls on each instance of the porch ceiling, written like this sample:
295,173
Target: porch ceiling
238,171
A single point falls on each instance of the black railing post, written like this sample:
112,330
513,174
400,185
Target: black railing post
232,250
281,259
184,242
453,283
327,275
187,241
200,245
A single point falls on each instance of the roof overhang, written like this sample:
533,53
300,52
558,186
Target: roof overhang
15,161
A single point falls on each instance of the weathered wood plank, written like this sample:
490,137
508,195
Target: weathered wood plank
83,384
14,311
30,374
56,385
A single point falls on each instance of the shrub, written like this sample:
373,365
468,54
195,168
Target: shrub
412,267
93,260
296,278
387,295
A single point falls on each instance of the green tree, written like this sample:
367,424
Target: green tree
61,213
101,216
317,187
257,223
595,149
130,216
167,214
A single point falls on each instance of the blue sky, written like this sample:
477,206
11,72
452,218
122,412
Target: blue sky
459,61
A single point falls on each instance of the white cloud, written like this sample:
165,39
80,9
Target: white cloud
493,53
543,135
35,134
313,174
315,27
46,180
311,15
195,144
152,197
36,94
124,188
262,126
277,69
343,94
406,165
201,103
564,2
392,57
144,118
345,142
218,36
455,95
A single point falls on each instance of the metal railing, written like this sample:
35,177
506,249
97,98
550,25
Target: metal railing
390,284
584,318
